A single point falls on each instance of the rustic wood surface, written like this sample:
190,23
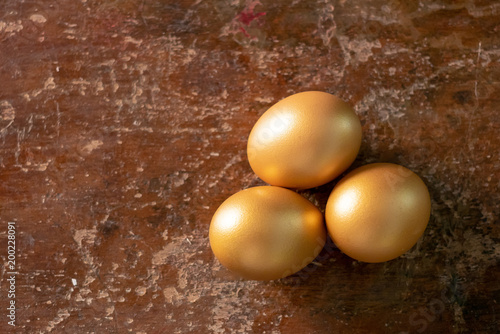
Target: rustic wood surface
123,126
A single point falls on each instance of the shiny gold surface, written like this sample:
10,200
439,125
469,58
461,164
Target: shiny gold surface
304,140
266,233
378,212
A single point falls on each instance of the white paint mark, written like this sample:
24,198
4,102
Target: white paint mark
140,291
226,127
38,18
264,99
457,63
70,31
169,249
80,82
129,39
94,144
102,294
109,62
84,234
11,27
62,314
171,295
362,49
326,23
99,86
180,179
189,56
110,310
476,98
42,166
182,280
8,114
477,64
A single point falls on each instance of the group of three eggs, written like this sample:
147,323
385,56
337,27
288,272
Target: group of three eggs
374,214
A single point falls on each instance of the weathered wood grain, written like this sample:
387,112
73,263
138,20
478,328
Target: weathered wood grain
123,126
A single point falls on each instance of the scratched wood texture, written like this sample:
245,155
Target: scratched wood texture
123,127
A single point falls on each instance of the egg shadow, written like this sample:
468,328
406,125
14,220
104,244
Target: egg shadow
335,288
335,291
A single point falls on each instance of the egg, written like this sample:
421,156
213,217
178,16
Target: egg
266,233
304,140
378,212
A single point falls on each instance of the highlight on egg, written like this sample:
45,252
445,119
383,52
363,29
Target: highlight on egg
304,140
266,233
378,212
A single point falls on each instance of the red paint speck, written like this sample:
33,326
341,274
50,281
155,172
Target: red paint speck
245,32
247,16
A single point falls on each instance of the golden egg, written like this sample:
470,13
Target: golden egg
304,140
378,212
266,233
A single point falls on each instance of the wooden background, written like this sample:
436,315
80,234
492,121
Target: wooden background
123,126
